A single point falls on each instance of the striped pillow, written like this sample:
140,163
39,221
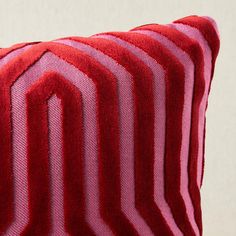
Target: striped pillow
105,135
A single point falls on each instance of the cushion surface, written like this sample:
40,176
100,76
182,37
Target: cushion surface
104,135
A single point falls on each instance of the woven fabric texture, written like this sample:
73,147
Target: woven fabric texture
104,135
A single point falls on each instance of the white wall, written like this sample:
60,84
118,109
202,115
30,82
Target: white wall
31,20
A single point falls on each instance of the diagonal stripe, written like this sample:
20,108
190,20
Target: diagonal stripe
13,54
6,51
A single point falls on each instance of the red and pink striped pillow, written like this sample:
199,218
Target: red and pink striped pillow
105,135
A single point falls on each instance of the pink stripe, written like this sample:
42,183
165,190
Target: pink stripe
56,164
126,105
13,54
196,35
160,117
19,144
50,62
186,123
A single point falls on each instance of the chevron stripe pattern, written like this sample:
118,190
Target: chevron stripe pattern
104,135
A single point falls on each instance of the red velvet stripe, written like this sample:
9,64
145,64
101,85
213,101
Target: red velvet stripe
144,112
108,135
52,83
209,32
109,149
6,177
207,29
107,119
38,163
74,194
174,109
191,47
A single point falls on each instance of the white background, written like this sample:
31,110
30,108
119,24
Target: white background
31,20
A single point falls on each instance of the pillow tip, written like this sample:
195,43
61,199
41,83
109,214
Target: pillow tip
213,23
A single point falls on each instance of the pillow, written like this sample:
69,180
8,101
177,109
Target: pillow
104,135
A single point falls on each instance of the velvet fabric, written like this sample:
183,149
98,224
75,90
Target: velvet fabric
104,135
